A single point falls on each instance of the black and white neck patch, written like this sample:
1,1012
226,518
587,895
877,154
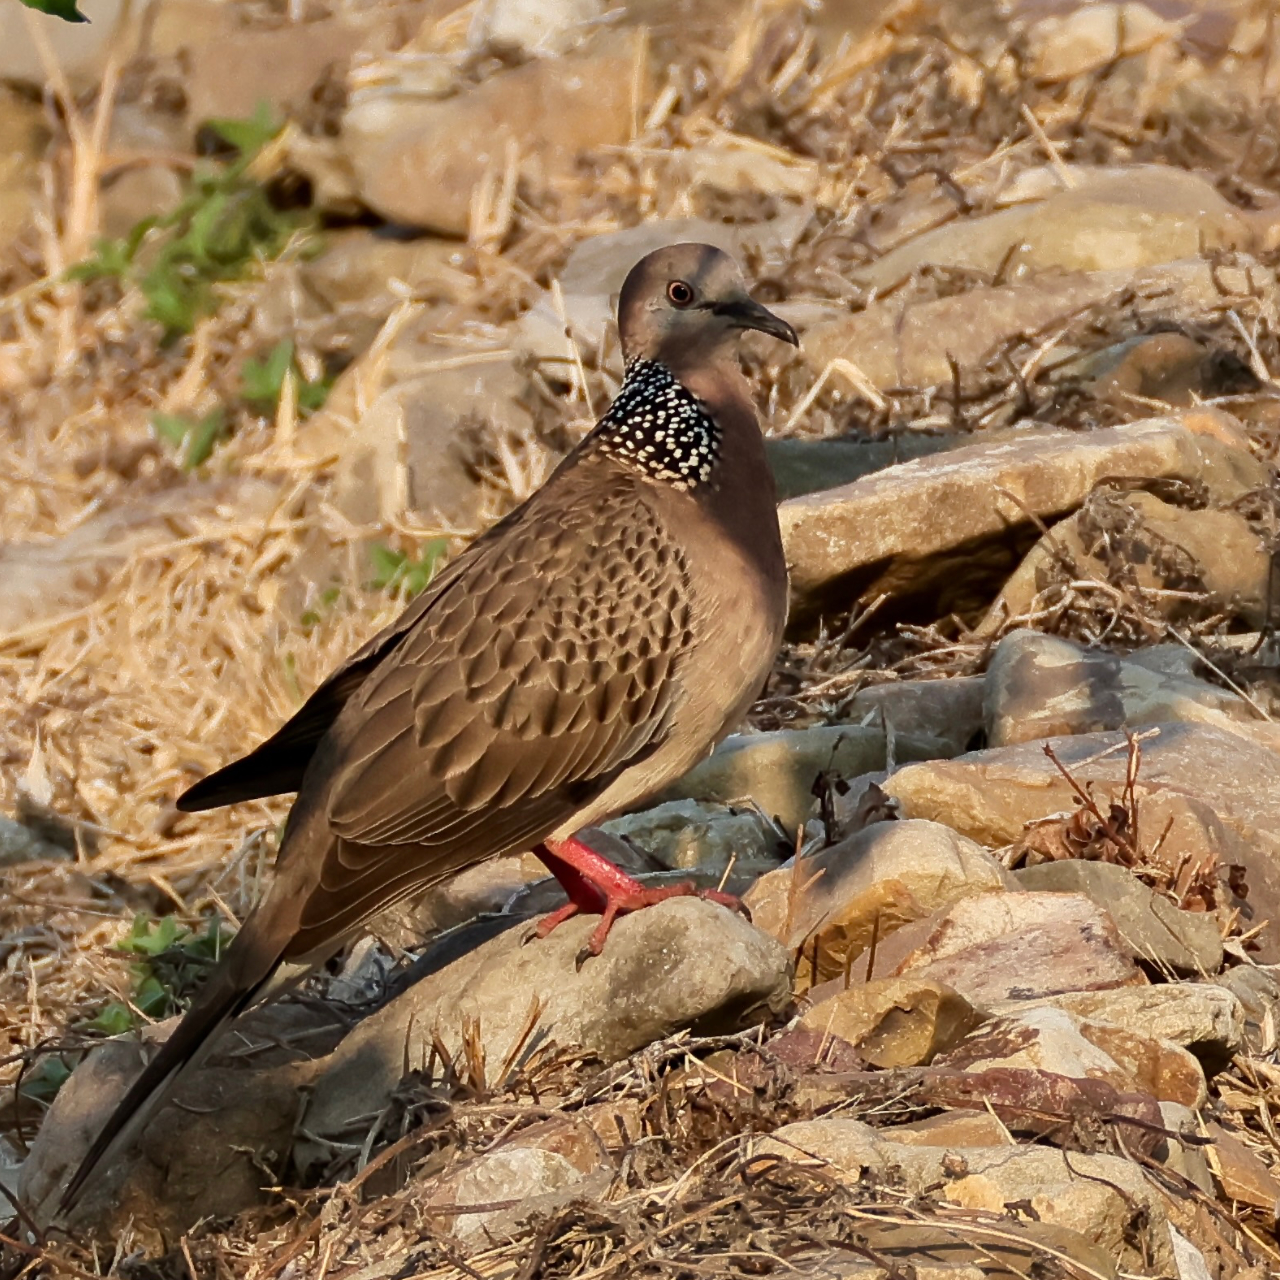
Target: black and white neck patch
659,428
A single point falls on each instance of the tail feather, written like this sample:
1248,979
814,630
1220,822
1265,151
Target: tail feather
230,990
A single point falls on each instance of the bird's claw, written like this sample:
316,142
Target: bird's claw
626,903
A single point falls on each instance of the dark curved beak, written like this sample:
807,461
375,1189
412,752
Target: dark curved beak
747,313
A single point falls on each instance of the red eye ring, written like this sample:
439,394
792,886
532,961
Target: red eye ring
679,293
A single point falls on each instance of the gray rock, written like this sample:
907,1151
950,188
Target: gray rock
19,843
141,191
43,580
1257,988
229,74
355,268
778,770
202,1156
685,835
533,28
1160,366
1152,928
79,48
904,342
1039,686
1186,1158
944,523
1217,793
950,710
1136,217
809,466
684,963
419,160
478,890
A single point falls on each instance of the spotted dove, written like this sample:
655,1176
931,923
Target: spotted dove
576,658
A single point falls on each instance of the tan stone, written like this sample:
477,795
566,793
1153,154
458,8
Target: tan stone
1158,546
1151,927
1040,686
868,886
918,527
24,133
412,449
1217,793
1095,35
1104,1198
1133,218
1200,1016
420,162
950,1129
1021,946
898,1022
682,963
541,1167
1043,1038
905,342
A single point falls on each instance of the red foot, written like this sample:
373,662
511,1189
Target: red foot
596,886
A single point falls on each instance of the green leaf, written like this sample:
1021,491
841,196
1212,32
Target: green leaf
387,565
195,438
262,381
396,571
113,1019
64,9
43,1084
210,944
147,937
312,395
201,439
151,995
251,135
222,229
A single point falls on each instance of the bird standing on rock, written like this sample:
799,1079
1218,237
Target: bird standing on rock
574,660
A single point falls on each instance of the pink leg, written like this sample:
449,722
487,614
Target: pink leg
595,885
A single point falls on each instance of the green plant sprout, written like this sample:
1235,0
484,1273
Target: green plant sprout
262,381
324,604
222,228
171,959
402,574
64,9
194,438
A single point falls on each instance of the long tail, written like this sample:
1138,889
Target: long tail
244,974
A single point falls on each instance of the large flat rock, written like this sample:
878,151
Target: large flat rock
964,517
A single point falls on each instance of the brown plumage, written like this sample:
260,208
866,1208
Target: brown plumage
580,655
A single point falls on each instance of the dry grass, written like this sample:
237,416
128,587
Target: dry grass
195,647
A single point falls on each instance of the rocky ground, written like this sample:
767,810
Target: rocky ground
297,298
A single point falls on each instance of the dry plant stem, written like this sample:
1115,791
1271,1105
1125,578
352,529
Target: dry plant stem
1089,803
1222,675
